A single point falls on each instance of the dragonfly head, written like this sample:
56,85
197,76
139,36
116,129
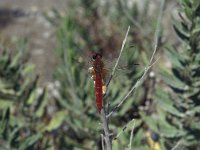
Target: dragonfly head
96,56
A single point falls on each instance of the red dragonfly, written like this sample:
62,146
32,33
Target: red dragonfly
99,74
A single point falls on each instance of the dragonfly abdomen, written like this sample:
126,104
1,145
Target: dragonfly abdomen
98,92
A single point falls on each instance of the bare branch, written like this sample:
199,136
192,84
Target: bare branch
131,137
177,144
106,129
151,63
102,141
123,129
122,48
134,87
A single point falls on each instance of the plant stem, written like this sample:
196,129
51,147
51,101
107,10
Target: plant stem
121,50
106,129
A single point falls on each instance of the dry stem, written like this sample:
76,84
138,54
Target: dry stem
121,50
106,129
151,63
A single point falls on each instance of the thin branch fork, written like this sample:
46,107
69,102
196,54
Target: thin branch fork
123,129
151,63
132,89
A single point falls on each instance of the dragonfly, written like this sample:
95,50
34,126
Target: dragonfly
99,74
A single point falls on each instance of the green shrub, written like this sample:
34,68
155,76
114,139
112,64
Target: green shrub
21,106
180,103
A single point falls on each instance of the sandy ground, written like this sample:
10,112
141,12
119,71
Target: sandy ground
24,18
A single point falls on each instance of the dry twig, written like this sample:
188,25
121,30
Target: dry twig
123,129
121,50
131,137
177,144
151,63
102,141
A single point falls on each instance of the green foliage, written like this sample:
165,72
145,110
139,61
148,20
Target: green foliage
19,102
181,105
164,114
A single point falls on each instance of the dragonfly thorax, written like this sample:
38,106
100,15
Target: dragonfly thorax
98,66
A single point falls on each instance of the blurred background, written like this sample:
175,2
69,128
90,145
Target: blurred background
47,98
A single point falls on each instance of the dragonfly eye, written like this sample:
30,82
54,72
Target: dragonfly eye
94,56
